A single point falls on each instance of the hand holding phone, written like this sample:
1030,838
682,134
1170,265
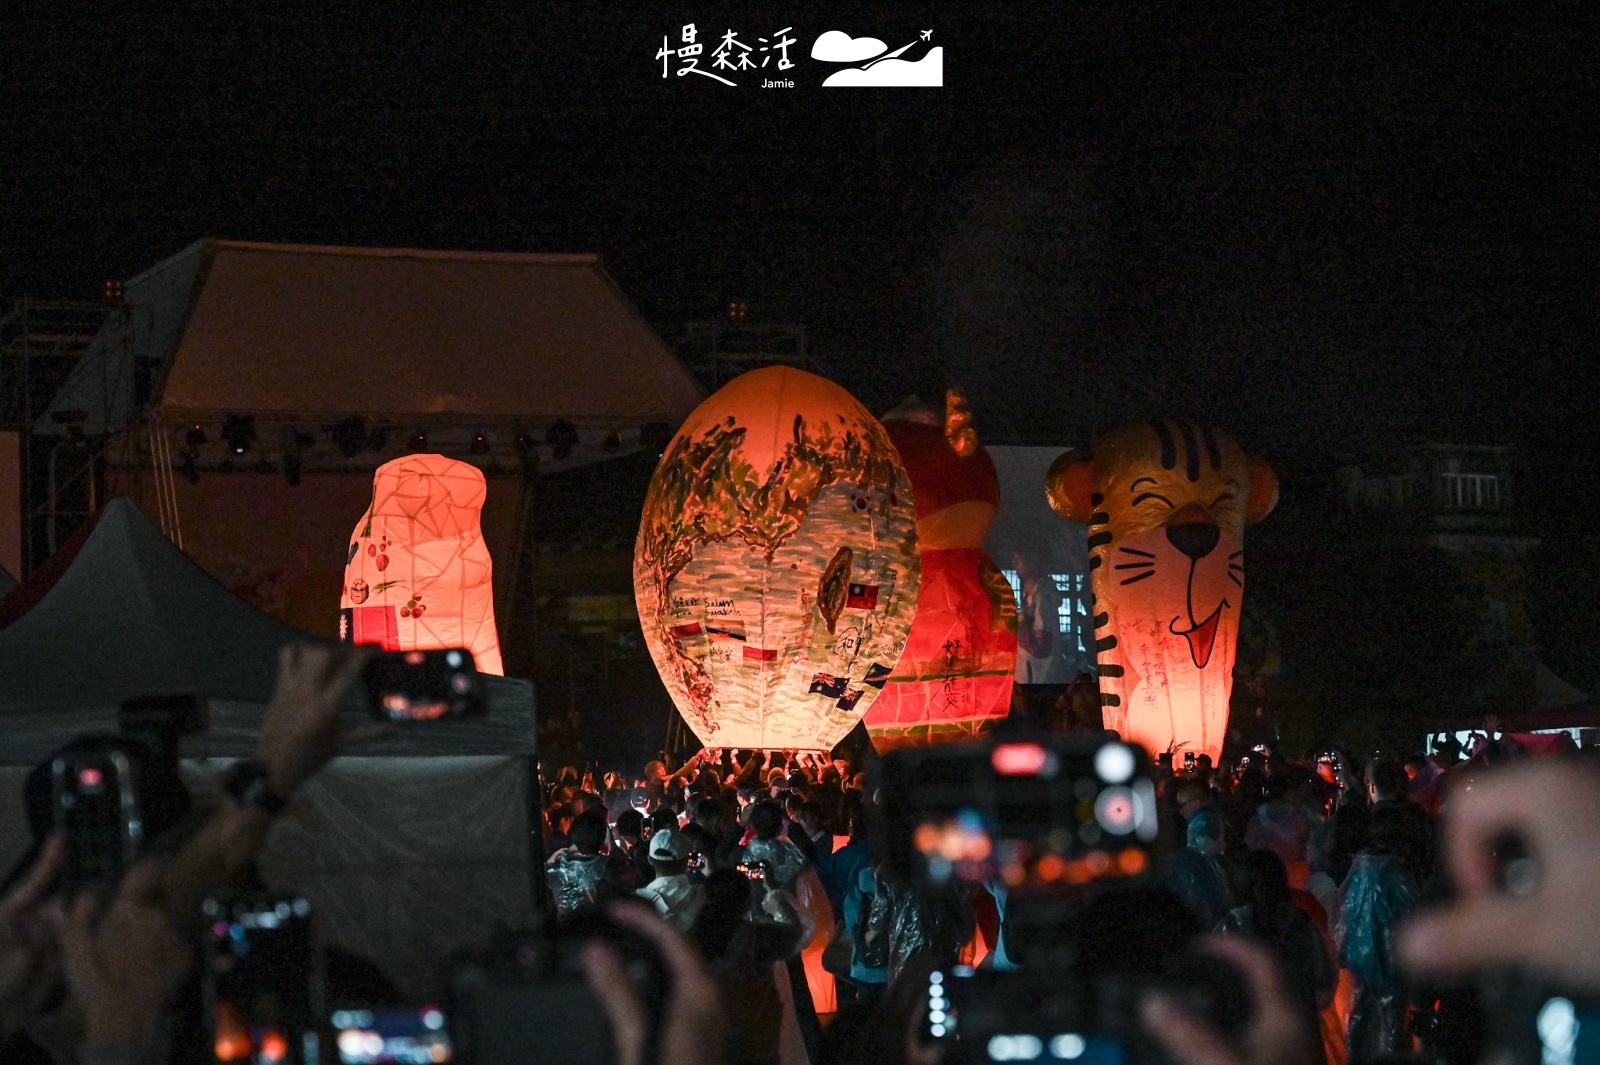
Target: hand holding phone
423,685
96,814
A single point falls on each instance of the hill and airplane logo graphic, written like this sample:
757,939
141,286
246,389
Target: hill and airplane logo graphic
917,64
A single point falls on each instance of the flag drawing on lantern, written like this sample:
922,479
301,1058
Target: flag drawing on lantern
418,575
1166,503
954,680
780,522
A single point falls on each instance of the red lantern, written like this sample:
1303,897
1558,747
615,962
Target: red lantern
1166,504
776,566
954,679
424,580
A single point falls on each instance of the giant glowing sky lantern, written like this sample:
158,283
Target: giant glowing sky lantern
954,679
418,575
1166,503
776,567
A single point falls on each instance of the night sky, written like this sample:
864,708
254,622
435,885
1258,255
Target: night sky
1326,234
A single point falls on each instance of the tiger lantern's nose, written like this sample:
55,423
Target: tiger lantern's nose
1192,531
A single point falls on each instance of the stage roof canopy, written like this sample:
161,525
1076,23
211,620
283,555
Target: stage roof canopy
226,326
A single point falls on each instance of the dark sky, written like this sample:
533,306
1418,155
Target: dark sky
1326,233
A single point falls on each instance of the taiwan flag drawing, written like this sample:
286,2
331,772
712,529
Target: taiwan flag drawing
688,631
376,625
862,596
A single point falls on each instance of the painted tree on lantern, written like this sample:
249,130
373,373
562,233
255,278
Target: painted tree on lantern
1167,504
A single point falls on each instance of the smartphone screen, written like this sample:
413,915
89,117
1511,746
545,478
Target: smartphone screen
263,985
423,685
385,1036
96,814
991,1035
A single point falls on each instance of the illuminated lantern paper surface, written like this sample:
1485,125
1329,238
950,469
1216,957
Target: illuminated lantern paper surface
1166,504
776,566
418,574
954,679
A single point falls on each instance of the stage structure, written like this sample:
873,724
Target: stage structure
776,565
248,392
419,576
1166,503
954,680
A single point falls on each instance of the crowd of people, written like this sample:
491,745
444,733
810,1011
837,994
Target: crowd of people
1360,902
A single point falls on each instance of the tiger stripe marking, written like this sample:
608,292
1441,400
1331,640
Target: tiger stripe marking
1105,643
1099,539
1112,670
1191,448
1100,620
1108,699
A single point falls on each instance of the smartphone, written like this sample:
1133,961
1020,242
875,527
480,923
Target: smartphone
981,1017
388,1036
1188,761
697,862
263,985
423,685
752,870
96,814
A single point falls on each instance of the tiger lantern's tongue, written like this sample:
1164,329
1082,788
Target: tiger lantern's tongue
1203,637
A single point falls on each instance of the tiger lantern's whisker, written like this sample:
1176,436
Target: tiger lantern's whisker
1135,551
1142,576
1236,580
1133,565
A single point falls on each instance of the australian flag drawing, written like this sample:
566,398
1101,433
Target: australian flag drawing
832,687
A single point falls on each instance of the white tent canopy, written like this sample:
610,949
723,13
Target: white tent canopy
412,844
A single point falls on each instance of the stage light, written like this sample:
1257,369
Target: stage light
350,436
418,441
196,436
562,437
480,443
239,431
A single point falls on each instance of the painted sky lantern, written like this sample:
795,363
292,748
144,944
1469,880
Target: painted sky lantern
954,679
1166,503
776,566
418,575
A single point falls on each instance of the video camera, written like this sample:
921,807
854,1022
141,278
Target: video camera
1065,831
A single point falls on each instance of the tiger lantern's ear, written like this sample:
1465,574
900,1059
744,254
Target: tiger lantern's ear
1263,491
1070,487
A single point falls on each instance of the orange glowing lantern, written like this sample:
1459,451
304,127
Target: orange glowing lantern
954,679
1166,504
418,575
776,567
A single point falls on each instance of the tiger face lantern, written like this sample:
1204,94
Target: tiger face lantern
418,575
1166,503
